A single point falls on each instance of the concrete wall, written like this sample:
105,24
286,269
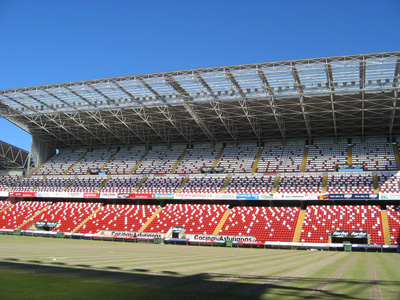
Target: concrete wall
41,151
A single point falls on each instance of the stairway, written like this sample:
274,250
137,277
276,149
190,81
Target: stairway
299,226
150,220
222,222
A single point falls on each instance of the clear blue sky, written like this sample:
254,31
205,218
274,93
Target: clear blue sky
51,41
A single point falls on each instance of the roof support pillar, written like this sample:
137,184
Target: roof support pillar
41,151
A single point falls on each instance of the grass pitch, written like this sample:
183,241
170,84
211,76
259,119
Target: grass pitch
48,268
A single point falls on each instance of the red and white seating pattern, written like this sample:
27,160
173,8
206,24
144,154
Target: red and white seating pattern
299,184
319,221
251,184
86,184
26,184
356,183
54,184
19,213
124,184
393,213
68,215
7,181
389,182
161,184
238,159
160,160
60,163
124,161
325,157
264,223
375,155
93,160
4,204
196,218
119,217
197,158
281,159
204,184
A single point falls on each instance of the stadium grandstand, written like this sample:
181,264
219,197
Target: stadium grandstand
286,153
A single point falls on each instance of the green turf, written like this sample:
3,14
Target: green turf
48,268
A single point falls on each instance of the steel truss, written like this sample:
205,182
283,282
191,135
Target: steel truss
340,96
13,158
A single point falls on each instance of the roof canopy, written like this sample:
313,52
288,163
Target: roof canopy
14,158
339,96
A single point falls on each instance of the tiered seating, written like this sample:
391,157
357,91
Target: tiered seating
68,215
321,220
393,213
92,160
300,184
345,182
160,160
238,159
60,163
124,161
54,184
7,181
196,218
204,184
161,184
86,184
197,158
251,184
19,213
325,157
121,184
389,182
26,184
264,223
375,155
4,204
119,218
281,159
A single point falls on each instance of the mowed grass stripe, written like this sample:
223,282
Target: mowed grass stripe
270,286
291,273
136,255
218,273
209,263
310,282
376,289
270,265
190,262
354,279
388,274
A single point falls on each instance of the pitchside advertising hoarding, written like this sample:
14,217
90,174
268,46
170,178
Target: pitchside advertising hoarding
205,196
22,194
131,234
224,238
389,196
135,195
372,196
346,233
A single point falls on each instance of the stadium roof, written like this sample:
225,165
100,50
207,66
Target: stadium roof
14,158
340,96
